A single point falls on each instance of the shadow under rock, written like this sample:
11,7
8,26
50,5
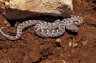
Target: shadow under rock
16,15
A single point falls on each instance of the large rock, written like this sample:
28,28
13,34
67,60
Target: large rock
21,9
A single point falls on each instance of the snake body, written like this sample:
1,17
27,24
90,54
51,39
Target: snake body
48,29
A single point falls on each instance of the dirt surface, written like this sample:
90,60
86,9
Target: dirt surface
70,48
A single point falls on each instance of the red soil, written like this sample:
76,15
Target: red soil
80,48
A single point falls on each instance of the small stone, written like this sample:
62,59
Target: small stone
70,44
58,40
75,44
84,42
10,61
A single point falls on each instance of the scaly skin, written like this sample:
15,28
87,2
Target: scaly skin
48,29
20,28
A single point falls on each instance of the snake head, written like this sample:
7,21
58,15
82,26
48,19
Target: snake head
77,20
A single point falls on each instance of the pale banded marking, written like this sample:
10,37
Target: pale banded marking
47,29
19,30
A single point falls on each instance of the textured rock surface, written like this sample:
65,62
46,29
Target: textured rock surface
19,9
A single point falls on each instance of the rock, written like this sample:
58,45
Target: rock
21,9
84,42
58,40
75,44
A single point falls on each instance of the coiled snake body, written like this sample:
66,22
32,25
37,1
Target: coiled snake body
48,29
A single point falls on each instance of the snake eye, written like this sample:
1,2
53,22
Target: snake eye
76,22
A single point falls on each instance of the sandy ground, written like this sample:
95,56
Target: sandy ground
69,48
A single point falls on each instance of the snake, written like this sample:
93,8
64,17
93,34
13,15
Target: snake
47,29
